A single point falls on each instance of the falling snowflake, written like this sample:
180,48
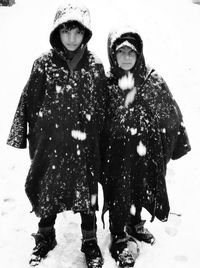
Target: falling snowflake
132,210
93,199
40,114
130,97
133,131
141,149
88,116
58,89
78,135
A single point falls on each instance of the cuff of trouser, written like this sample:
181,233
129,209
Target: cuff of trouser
120,236
46,229
88,235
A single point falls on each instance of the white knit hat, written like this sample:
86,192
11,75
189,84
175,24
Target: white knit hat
126,44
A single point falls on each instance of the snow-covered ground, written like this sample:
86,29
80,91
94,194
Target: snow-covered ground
170,30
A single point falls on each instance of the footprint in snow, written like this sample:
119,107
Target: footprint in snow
172,225
181,258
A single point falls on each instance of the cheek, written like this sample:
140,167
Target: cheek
134,61
62,38
118,58
80,39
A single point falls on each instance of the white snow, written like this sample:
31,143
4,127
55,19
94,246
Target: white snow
58,89
93,199
40,114
78,135
133,210
116,32
170,31
88,116
133,131
126,82
130,97
141,149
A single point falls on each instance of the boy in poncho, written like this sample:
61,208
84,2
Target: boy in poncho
62,107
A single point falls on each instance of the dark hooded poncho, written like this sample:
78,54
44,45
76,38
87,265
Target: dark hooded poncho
61,112
139,140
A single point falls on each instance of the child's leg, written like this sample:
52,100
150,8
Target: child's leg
88,225
123,249
45,240
135,227
117,220
136,219
90,247
46,223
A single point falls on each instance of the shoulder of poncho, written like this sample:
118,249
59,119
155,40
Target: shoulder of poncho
108,75
44,57
111,81
95,58
156,76
158,84
43,61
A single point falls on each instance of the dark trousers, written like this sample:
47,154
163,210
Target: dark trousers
135,219
88,221
119,218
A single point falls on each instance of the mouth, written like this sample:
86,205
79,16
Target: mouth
72,45
126,64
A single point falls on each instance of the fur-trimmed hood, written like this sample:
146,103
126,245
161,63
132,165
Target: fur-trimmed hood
66,12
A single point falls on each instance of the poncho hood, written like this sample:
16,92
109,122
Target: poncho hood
116,37
66,12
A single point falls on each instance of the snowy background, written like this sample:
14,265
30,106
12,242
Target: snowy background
170,30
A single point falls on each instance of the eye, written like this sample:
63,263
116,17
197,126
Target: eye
64,31
119,51
81,32
131,53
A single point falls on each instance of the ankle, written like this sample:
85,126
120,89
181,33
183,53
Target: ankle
47,229
88,235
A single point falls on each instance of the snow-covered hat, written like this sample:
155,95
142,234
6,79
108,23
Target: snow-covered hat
126,43
71,10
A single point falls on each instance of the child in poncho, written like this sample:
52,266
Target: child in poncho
61,113
144,129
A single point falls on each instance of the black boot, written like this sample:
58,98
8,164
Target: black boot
92,253
123,251
44,242
140,232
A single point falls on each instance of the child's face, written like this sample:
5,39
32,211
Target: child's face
71,38
126,58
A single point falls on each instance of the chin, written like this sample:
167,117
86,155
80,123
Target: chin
126,67
71,48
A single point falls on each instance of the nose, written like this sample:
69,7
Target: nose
72,37
126,55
